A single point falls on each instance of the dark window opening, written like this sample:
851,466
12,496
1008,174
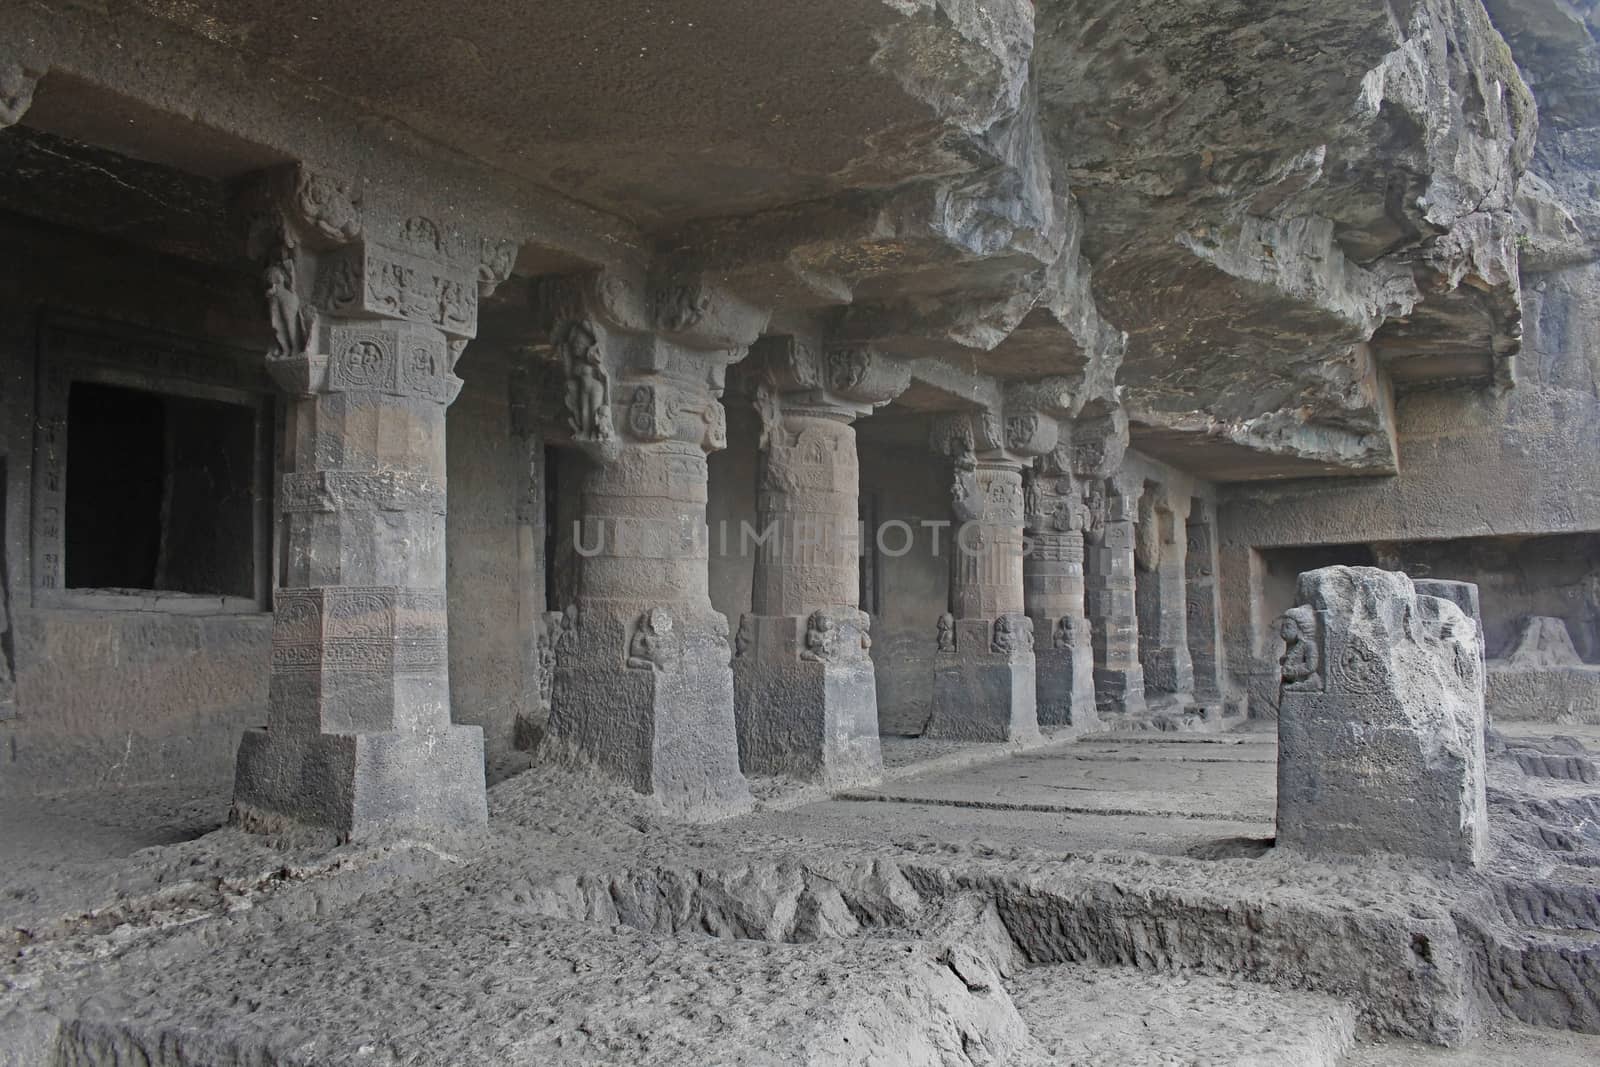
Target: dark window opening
160,492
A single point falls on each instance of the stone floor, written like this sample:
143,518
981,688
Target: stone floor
963,912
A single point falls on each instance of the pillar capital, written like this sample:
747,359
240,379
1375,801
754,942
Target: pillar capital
645,361
359,299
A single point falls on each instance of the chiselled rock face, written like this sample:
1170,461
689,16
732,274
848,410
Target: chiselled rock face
1381,721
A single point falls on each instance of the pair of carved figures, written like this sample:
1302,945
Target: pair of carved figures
1012,633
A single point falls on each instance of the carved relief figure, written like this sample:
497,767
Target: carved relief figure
545,655
1095,512
1301,661
1032,498
329,205
847,368
947,632
567,639
588,385
964,479
648,649
822,637
681,307
744,638
1065,632
290,321
1012,633
770,411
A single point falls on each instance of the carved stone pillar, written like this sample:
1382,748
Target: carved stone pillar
983,687
369,314
1159,551
806,696
1053,588
1109,583
643,688
1201,602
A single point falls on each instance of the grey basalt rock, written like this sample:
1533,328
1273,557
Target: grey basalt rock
1380,722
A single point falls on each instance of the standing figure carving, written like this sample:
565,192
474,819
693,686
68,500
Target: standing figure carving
588,386
289,318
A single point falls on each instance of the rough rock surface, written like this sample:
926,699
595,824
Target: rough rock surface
1380,722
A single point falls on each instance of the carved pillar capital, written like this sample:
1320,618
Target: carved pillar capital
644,364
361,300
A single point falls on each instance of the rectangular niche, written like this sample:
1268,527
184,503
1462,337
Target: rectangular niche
153,464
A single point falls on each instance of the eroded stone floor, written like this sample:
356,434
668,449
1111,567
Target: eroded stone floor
1113,899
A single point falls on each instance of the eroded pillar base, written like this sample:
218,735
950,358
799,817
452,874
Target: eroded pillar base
803,714
981,693
361,785
659,721
1119,692
1065,684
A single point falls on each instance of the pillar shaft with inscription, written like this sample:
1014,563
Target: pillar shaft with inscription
643,689
1113,612
983,688
805,692
1053,586
369,312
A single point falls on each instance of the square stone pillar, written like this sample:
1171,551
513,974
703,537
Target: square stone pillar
983,685
805,693
1159,550
1053,593
1113,613
369,316
642,689
1380,721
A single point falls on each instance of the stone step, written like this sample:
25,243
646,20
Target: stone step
1079,1014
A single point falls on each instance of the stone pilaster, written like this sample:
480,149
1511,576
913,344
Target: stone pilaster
1109,584
805,693
984,688
1160,546
1053,592
369,313
1201,602
643,689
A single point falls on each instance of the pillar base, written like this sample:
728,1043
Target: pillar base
360,785
812,717
1119,692
1065,684
981,693
657,718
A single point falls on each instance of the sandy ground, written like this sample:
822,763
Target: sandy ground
865,928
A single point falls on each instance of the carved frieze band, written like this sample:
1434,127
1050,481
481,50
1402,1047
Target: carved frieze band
358,629
328,491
